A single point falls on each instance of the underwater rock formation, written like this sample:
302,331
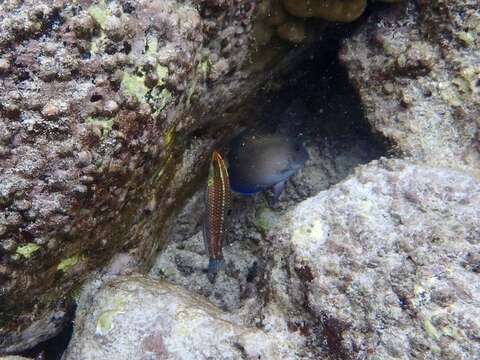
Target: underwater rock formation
108,111
416,67
97,103
385,263
134,317
382,264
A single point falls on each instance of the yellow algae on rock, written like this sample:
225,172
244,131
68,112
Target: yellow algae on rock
67,263
330,10
133,85
27,250
105,318
100,13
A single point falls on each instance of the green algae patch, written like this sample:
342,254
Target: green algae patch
133,85
159,98
204,68
265,220
106,317
103,123
151,45
170,136
430,330
66,264
162,73
99,13
27,250
164,98
466,38
97,45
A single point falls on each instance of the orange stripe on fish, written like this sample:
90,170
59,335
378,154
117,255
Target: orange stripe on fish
218,202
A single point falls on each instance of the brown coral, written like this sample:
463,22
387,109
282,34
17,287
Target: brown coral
330,10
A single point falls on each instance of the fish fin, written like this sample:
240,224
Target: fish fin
277,190
214,266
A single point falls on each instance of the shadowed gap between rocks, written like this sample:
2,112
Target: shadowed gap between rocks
318,105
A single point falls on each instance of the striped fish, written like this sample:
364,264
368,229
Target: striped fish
218,200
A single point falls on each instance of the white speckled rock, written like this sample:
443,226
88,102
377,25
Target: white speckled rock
135,317
387,262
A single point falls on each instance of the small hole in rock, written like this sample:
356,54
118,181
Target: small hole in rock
128,7
96,97
126,47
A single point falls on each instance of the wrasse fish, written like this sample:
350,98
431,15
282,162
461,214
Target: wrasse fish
218,200
258,162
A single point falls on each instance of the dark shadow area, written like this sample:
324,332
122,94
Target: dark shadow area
53,348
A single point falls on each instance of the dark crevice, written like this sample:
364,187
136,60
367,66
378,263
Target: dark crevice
53,348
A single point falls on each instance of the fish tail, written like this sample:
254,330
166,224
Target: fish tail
214,266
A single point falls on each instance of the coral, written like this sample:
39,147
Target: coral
330,10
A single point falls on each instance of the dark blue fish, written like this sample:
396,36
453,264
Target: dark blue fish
258,162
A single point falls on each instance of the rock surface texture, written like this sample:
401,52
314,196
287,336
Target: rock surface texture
108,112
138,318
98,100
417,70
386,263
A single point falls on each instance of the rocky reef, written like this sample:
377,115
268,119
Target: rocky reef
98,104
383,264
417,73
108,113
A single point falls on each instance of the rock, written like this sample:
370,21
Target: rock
4,65
380,264
134,317
88,146
417,73
331,10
